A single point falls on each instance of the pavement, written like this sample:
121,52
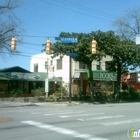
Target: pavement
10,104
7,104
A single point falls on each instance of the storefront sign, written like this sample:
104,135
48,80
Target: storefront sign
104,75
27,76
23,76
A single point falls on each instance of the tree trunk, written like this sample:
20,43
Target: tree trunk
118,81
91,82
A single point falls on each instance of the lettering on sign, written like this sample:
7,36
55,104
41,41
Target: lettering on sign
104,75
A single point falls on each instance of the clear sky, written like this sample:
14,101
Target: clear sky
41,19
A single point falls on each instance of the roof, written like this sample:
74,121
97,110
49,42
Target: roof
15,69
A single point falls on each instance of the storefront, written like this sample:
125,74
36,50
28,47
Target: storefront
130,79
26,81
103,80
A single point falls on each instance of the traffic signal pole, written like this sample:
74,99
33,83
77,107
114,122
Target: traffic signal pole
70,80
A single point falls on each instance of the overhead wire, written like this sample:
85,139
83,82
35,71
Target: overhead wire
66,3
74,10
87,8
36,57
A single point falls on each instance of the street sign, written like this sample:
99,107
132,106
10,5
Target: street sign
72,54
137,39
68,40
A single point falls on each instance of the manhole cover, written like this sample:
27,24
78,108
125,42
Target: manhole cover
5,119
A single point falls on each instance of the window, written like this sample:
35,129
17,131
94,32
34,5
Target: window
107,65
59,64
82,65
46,64
98,67
35,67
51,62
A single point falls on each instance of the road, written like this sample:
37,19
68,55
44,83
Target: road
69,122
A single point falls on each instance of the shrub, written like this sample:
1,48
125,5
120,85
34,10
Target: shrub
129,95
16,92
51,98
133,93
39,92
125,96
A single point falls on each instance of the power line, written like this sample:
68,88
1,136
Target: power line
88,9
37,57
74,10
47,36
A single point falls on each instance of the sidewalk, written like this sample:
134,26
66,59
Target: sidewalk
7,104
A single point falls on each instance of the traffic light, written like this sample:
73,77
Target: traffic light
13,43
48,46
94,43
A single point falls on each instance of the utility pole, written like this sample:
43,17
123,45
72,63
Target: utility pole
70,80
47,79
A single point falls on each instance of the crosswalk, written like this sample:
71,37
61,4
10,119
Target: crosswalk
121,122
72,120
98,118
84,116
101,118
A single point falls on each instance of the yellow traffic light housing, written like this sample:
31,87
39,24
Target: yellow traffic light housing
94,44
13,43
48,46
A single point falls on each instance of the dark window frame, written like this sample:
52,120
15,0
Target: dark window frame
59,64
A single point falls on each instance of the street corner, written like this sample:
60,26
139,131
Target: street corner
5,119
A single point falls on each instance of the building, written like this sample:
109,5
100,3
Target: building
60,68
130,79
17,78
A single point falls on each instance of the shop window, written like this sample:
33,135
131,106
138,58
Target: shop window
59,64
36,67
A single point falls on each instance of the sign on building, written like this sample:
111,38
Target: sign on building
104,75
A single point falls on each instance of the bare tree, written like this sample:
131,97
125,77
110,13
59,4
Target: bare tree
128,25
8,24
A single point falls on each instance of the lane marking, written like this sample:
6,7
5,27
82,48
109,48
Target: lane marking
58,113
101,118
80,115
120,122
69,112
51,111
62,130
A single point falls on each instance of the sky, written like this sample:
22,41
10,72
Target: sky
42,19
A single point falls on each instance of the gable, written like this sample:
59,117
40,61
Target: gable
15,69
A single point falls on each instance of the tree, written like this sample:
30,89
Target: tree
8,24
125,54
122,52
128,25
83,48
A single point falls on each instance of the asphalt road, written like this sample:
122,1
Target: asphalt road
69,122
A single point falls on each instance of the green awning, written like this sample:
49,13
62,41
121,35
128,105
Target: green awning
22,76
55,79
